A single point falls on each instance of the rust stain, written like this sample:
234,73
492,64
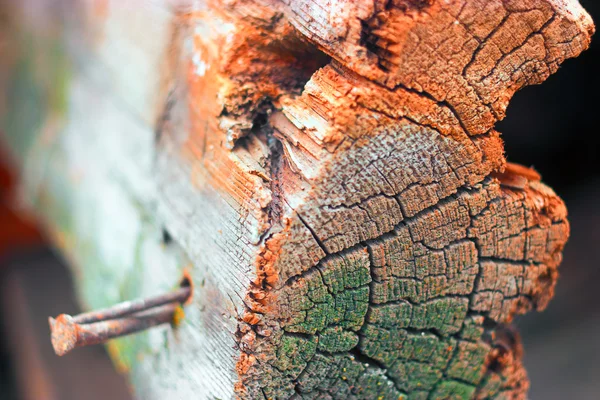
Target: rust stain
178,316
186,281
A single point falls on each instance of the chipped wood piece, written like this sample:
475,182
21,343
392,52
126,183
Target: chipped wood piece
516,176
332,173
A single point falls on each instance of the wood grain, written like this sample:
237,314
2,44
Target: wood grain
331,172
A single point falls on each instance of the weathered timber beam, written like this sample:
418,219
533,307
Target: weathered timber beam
328,171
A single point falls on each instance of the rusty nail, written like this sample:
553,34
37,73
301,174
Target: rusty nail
69,332
130,307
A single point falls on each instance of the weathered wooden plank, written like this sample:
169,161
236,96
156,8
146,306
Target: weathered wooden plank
328,171
92,177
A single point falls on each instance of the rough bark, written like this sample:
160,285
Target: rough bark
332,171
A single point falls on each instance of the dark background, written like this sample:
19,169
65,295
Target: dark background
552,127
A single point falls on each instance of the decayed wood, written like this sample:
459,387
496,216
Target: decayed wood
332,171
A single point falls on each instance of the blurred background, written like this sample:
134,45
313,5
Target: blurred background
553,127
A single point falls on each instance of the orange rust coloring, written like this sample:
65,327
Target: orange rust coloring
186,282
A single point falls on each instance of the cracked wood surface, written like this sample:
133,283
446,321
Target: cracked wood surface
332,173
